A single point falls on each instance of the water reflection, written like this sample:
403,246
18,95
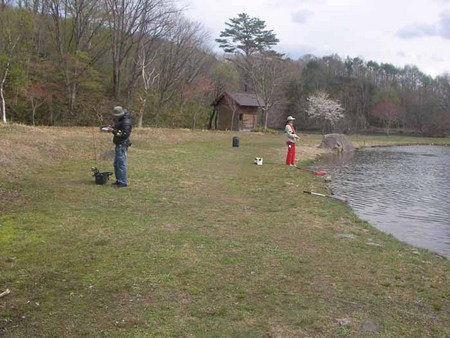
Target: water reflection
404,191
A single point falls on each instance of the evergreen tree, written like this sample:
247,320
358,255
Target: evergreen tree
246,36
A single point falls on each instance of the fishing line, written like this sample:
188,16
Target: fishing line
95,146
94,139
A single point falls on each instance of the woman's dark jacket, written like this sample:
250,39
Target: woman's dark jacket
122,130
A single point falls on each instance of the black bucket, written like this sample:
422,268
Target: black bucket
102,178
236,141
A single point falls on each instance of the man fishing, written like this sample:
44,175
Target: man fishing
121,131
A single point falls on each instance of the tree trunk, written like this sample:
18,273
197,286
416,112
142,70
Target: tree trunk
73,95
211,118
194,120
116,80
2,97
266,118
232,119
33,111
141,112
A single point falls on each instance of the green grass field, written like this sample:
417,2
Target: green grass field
203,243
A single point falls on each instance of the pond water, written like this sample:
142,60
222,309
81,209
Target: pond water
403,191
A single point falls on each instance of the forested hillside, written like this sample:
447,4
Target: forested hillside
68,62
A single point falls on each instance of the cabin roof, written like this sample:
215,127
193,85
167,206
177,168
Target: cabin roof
242,99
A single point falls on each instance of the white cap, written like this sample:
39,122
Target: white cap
290,118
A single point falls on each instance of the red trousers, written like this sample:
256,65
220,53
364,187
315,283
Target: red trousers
290,158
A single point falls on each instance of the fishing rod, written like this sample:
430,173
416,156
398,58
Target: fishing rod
341,199
100,177
94,141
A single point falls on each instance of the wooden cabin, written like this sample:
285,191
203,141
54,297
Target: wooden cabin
236,111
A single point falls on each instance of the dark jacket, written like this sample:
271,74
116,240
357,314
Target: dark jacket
122,130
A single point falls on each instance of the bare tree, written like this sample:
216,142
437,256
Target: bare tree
129,22
224,76
233,107
14,33
148,76
77,27
267,74
180,61
37,95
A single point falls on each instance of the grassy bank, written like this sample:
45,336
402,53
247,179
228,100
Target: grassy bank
203,243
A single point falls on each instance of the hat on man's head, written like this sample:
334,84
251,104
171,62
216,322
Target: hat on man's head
290,118
118,111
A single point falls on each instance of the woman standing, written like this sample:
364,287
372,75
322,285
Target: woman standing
291,139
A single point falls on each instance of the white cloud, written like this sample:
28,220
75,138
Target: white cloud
301,16
399,32
441,29
291,3
444,25
438,58
417,30
295,51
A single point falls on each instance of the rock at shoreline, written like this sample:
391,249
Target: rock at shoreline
337,142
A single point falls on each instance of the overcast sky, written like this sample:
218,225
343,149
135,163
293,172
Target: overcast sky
400,32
